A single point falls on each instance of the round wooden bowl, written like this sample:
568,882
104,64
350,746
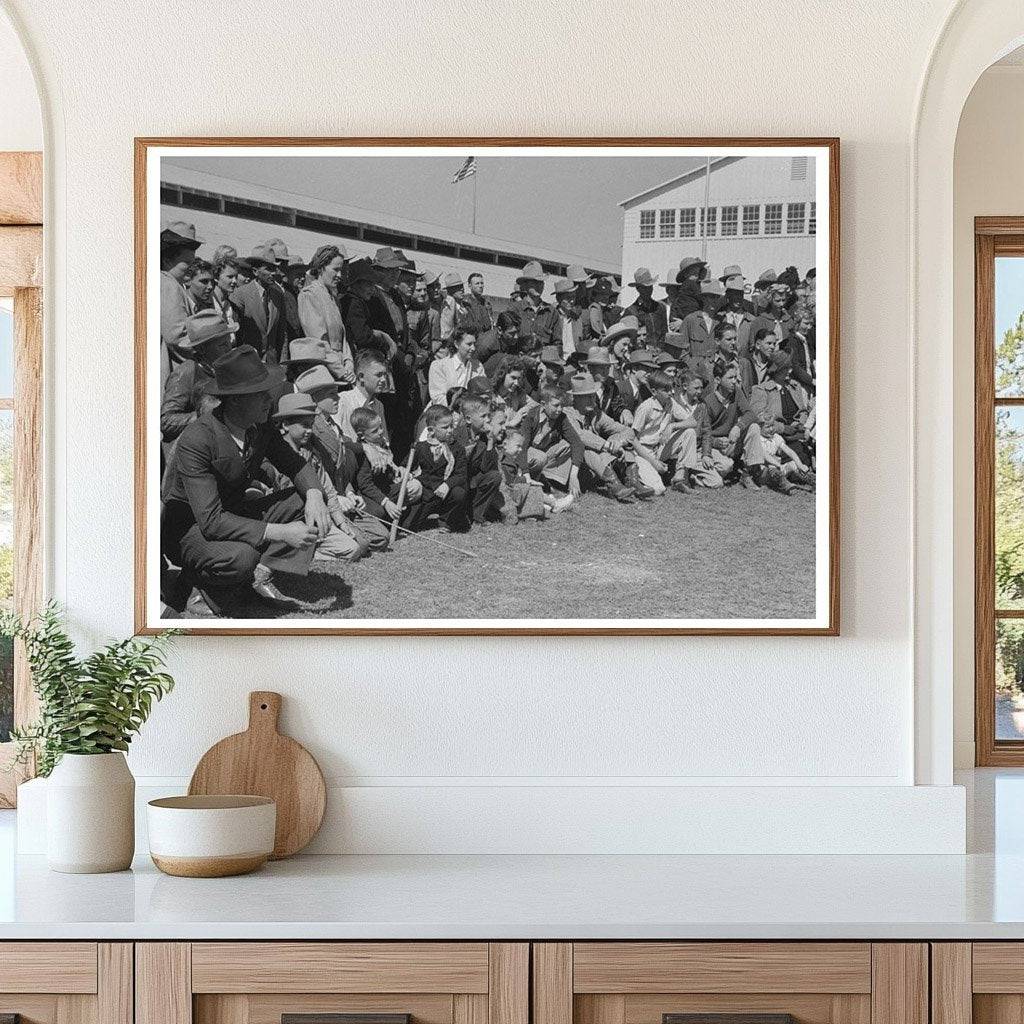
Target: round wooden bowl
211,836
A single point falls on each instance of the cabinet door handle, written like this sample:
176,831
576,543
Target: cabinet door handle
338,1018
728,1018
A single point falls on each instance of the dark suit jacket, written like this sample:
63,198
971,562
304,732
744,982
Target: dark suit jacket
432,469
688,300
652,315
267,336
535,325
803,371
207,478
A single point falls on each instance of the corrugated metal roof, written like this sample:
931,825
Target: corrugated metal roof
288,203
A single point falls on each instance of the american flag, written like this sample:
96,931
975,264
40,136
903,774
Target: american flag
468,168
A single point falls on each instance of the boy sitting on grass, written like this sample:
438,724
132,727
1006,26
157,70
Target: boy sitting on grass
483,473
785,470
440,468
664,435
378,479
525,498
344,540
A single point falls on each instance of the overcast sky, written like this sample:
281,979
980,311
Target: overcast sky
565,203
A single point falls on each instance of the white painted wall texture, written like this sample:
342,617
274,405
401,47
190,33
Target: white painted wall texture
447,713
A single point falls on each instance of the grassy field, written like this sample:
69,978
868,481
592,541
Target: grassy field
711,554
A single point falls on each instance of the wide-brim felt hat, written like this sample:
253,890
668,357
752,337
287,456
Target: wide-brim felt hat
563,286
583,384
533,271
263,255
295,406
691,261
598,355
179,234
241,372
644,357
733,270
388,259
312,351
627,327
606,283
712,288
452,280
551,354
430,277
206,325
577,274
666,359
315,378
735,283
643,278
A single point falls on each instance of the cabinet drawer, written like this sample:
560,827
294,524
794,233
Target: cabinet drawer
732,982
340,967
261,982
48,967
635,967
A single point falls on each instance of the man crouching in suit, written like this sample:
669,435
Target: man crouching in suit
228,542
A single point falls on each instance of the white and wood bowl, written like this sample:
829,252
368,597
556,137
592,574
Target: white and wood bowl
211,836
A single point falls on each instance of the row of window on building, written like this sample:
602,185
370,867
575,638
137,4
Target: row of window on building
727,221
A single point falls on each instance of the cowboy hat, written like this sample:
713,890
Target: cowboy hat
643,278
388,259
734,283
766,277
666,359
563,286
278,248
295,406
606,284
583,384
598,355
577,274
552,355
644,357
628,327
179,234
315,378
240,372
431,277
263,254
533,271
313,351
452,280
206,325
711,288
689,261
733,270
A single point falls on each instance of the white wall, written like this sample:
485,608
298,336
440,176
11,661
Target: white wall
446,713
21,125
988,181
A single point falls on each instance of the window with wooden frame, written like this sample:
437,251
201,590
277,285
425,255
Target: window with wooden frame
21,367
999,491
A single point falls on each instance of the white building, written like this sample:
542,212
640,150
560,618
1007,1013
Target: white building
242,214
761,215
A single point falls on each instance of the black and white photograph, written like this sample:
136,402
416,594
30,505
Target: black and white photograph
457,386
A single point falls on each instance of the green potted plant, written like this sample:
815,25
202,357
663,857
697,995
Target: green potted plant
89,710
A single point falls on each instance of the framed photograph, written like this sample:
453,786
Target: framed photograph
487,386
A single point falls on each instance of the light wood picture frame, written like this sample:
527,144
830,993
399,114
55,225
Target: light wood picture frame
182,199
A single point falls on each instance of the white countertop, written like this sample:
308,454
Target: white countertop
532,897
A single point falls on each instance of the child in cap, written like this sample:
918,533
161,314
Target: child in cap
295,415
664,436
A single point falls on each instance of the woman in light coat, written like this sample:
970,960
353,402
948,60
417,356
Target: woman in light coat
320,314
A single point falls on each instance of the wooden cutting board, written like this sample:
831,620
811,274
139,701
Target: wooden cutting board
262,762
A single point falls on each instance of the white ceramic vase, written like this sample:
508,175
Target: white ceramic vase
90,814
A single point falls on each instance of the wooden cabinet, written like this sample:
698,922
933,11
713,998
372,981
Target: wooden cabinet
815,982
979,982
66,982
259,982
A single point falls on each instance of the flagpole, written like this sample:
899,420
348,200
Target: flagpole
704,219
476,172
